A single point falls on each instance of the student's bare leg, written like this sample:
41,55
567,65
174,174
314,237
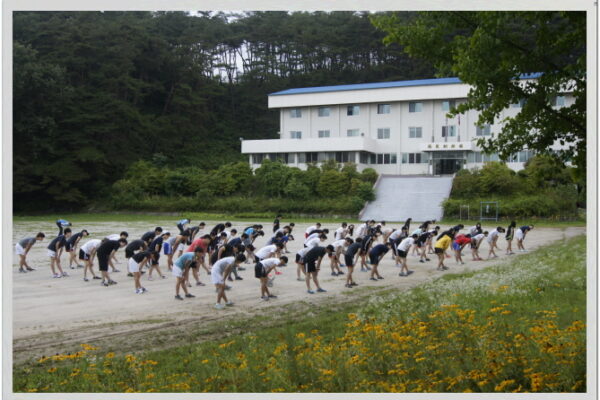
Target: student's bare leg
315,279
136,279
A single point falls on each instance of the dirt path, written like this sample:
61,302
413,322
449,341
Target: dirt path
55,315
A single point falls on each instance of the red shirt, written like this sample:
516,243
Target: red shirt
462,239
198,243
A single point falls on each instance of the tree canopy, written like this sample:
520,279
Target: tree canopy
491,51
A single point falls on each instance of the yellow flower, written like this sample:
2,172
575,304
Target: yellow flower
300,335
506,312
110,355
204,361
51,370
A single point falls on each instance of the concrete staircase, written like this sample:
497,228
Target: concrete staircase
401,197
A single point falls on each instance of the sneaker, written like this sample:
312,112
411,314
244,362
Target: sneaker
57,276
227,287
199,284
163,276
144,290
138,291
229,304
178,297
65,274
373,279
72,267
130,274
239,278
445,268
334,274
116,270
189,295
21,270
278,273
402,274
96,277
310,292
422,261
219,306
189,285
340,273
380,277
230,279
30,269
104,283
79,266
342,265
300,279
321,290
111,282
409,272
272,296
265,298
368,268
427,259
85,279
241,269
349,286
354,284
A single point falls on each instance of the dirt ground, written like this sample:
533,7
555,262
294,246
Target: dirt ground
54,315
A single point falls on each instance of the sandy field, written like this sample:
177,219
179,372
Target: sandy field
54,315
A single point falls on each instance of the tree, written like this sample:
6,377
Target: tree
491,51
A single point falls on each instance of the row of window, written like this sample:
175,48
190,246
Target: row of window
413,107
384,133
479,157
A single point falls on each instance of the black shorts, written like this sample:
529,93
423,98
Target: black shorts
438,250
402,254
420,244
194,265
259,271
68,247
155,262
103,262
374,259
128,253
394,248
310,266
349,261
473,245
299,259
83,255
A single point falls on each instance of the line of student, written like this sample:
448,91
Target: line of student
225,252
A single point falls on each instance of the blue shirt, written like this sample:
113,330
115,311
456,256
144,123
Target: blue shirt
378,250
185,258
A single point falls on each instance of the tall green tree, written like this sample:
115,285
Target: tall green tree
491,51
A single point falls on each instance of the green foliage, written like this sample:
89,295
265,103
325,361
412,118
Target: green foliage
369,175
497,178
332,183
490,50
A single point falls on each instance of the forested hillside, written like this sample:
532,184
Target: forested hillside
95,92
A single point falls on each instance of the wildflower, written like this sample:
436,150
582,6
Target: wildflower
110,355
129,358
204,361
51,370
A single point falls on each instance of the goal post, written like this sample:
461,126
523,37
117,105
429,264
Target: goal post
488,211
464,212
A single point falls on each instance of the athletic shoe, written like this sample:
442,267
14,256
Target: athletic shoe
189,285
239,278
265,298
189,295
445,268
116,270
349,286
381,277
340,273
79,266
65,274
21,270
229,304
300,279
354,284
178,297
219,306
402,274
130,274
278,273
104,283
342,265
138,291
111,282
373,279
85,279
72,267
241,269
163,276
96,277
321,290
409,272
144,290
310,292
368,268
199,284
334,274
30,269
230,279
427,259
422,261
227,287
272,296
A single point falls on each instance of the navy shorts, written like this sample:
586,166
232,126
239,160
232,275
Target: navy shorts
103,262
349,261
259,270
374,259
455,246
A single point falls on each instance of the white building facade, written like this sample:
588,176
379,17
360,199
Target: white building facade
396,128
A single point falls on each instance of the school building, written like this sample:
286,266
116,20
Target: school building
397,128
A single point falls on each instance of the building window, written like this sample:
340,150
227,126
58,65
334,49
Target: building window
383,133
323,134
296,134
448,130
447,105
296,113
415,106
342,156
520,104
324,111
414,158
257,158
352,132
283,157
364,157
415,132
484,130
372,158
307,157
353,110
558,101
291,158
383,108
324,156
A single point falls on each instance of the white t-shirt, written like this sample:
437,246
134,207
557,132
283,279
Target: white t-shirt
264,252
313,242
338,243
220,265
477,238
473,230
270,262
492,235
302,252
405,244
339,233
396,234
90,245
417,232
311,237
114,237
310,229
362,230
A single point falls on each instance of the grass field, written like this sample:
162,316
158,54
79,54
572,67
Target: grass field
518,326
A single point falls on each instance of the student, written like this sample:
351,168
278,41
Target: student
104,252
156,246
181,269
475,243
459,243
338,248
312,265
367,241
193,232
440,248
276,223
520,235
341,232
71,248
262,270
313,241
181,225
269,251
386,231
312,228
22,248
204,243
449,233
510,233
300,262
395,239
375,255
149,236
220,228
422,241
227,251
168,249
113,258
87,252
350,258
55,249
135,264
62,223
131,248
430,239
475,230
363,229
492,241
417,232
403,249
407,224
219,272
350,230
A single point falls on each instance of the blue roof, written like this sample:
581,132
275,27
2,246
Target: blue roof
381,85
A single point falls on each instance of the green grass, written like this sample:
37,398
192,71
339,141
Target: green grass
516,326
